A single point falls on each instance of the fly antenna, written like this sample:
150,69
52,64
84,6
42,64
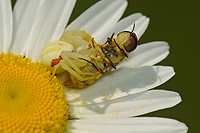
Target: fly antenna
133,27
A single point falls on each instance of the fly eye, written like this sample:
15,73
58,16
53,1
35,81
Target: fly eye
128,40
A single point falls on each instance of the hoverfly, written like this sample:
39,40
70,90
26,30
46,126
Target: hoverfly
87,61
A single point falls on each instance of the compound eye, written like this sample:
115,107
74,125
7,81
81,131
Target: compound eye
128,40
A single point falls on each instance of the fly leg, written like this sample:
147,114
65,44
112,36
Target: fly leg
72,64
75,73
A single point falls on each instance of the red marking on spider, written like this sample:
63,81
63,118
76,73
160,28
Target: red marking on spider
56,61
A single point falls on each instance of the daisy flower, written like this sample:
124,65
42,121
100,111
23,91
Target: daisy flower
32,99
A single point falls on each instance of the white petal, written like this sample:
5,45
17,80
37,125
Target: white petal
147,54
120,83
5,25
141,26
100,17
131,105
23,16
141,23
41,22
50,25
126,24
127,125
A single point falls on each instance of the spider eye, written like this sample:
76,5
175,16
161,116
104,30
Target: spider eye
128,40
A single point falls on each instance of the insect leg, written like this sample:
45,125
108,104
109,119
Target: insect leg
121,50
73,72
93,65
70,63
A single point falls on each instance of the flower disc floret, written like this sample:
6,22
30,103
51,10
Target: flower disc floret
31,99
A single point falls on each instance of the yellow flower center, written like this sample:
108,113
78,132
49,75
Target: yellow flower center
31,99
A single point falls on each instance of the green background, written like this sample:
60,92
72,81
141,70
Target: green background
178,23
